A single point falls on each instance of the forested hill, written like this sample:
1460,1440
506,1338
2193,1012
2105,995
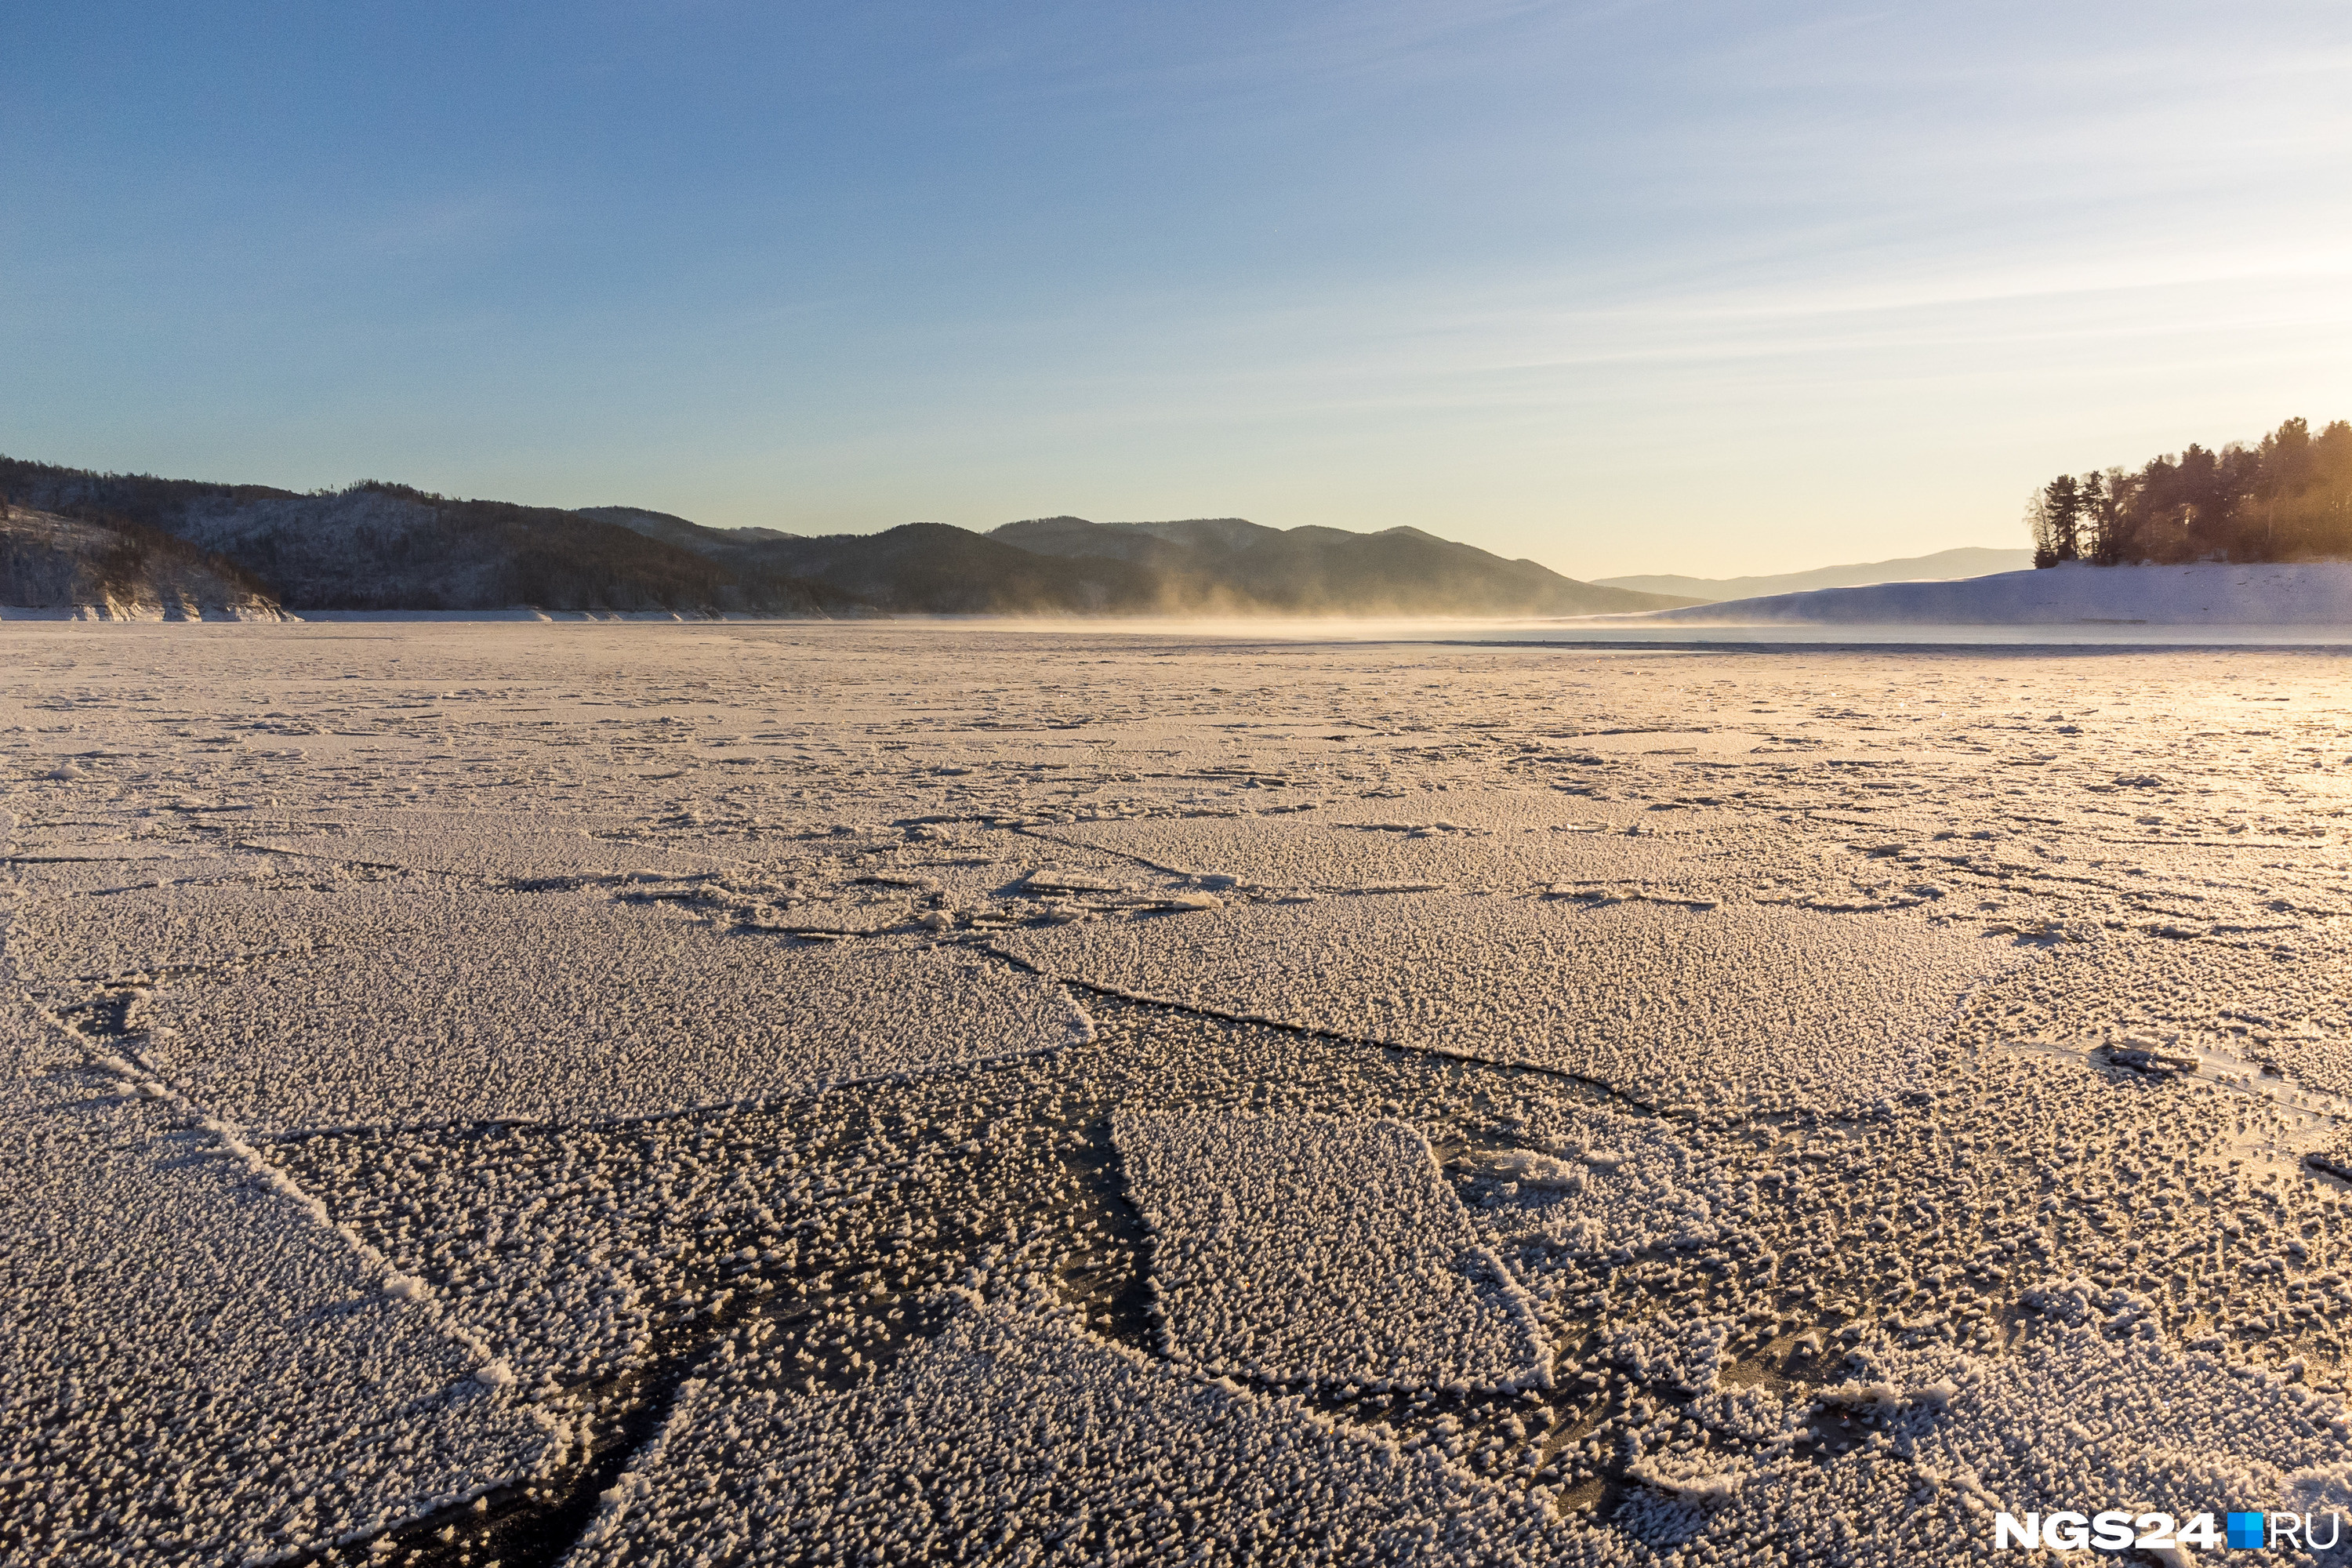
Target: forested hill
379,546
2287,498
388,547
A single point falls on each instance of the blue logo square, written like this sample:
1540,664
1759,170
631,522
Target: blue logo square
2245,1530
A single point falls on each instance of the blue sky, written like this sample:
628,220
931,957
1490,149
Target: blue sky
1699,287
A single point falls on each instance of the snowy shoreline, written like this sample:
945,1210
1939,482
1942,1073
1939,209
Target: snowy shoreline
2300,593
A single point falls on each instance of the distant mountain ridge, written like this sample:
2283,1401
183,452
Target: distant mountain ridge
1064,565
678,530
1076,536
2203,593
1232,562
386,547
1971,560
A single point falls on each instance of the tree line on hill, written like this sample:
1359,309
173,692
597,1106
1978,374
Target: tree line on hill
2287,498
378,546
52,561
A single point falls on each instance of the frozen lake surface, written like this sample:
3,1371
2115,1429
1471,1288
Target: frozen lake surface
672,1094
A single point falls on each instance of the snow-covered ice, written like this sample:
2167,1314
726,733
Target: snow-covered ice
592,1007
1764,1008
504,849
1590,1180
2085,1412
1009,1437
1309,1249
658,1093
195,1364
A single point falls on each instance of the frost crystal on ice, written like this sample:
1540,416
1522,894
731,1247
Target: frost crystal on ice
1312,1249
794,1093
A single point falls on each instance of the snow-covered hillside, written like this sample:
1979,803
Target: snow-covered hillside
1969,560
2307,594
382,547
58,568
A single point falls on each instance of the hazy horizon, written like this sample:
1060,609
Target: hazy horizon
1615,288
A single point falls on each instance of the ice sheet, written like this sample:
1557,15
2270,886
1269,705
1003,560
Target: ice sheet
1009,1428
195,1366
1315,1250
593,1009
1737,1006
1829,1015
